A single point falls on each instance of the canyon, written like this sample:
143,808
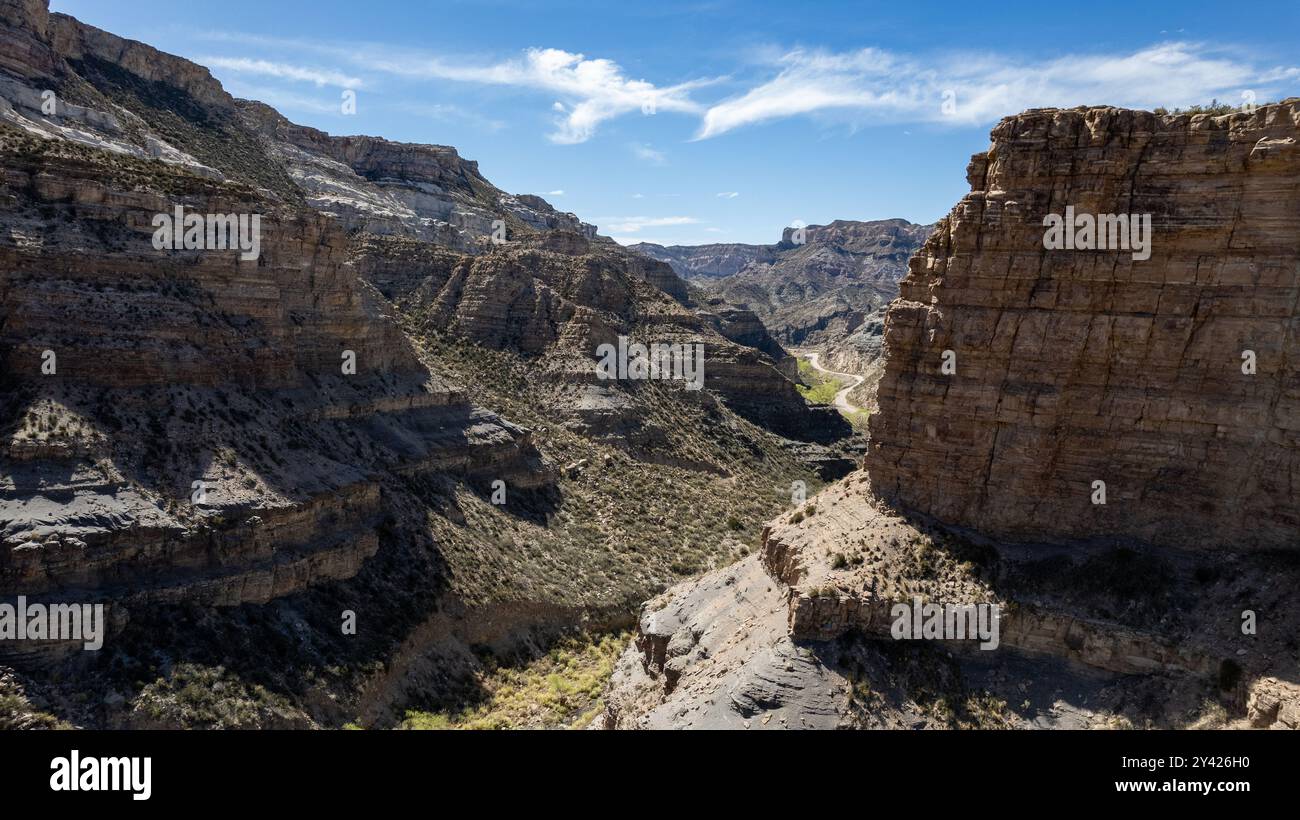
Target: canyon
1070,367
349,478
389,416
822,290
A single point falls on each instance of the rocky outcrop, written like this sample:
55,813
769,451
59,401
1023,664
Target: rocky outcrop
1274,704
1171,378
793,636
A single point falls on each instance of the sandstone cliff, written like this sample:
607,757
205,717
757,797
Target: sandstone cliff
1073,367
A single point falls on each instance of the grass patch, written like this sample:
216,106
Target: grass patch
818,387
559,690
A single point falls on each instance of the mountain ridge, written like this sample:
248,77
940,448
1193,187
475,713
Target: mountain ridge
816,287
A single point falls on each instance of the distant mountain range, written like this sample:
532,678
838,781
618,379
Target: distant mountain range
810,293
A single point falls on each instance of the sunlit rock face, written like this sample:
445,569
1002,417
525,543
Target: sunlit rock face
1171,379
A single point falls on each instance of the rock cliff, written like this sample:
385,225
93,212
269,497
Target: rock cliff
1172,379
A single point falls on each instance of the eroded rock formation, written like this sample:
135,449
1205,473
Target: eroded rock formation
1079,366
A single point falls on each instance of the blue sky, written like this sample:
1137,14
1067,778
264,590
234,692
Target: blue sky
693,122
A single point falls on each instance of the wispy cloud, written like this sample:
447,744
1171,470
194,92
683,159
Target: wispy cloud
636,224
591,90
557,192
728,194
648,154
975,89
283,71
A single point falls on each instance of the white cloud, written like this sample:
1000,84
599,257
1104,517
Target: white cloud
283,71
982,88
636,224
728,194
638,196
591,90
648,154
558,192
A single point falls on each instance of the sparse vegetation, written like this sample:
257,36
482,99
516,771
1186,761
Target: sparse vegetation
617,520
197,696
1214,107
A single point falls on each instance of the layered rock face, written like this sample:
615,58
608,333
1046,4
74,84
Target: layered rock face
1172,379
703,263
131,373
560,297
384,187
26,50
305,430
191,426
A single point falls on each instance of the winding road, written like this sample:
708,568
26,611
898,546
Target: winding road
842,397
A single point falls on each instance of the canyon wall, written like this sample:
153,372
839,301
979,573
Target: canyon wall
197,428
1080,366
130,376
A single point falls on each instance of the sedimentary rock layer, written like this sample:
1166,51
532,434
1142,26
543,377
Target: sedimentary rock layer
1082,366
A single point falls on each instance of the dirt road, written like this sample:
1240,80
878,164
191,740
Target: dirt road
842,397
